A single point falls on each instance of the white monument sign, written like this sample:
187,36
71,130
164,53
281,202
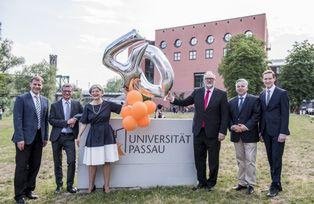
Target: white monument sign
158,155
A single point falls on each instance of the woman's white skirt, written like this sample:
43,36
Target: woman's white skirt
100,155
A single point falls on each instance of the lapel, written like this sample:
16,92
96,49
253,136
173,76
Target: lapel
202,95
72,108
234,106
263,98
42,105
60,108
31,101
273,97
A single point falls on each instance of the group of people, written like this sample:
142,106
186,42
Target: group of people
31,118
249,119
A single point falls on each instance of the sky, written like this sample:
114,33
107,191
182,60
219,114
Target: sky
78,31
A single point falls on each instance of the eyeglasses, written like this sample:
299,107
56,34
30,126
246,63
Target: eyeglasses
209,78
66,91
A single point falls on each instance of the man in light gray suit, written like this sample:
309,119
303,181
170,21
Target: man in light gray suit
30,118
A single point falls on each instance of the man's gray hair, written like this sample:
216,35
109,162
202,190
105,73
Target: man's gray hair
242,81
66,85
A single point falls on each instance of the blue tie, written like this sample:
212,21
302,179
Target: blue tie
241,103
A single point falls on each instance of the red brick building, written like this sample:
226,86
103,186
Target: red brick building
194,49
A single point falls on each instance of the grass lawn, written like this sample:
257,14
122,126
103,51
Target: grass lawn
297,176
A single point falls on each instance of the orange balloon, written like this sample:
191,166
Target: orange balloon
133,96
139,110
129,123
144,122
126,110
151,106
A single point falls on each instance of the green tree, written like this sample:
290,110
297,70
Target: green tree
245,58
77,92
297,75
7,61
113,85
48,72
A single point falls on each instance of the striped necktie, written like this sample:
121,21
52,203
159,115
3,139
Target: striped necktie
267,97
38,108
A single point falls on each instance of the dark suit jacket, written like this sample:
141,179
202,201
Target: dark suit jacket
215,115
248,116
57,121
275,116
25,119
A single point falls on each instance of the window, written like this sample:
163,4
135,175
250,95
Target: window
210,39
225,51
209,53
178,43
227,37
192,55
149,70
163,44
177,56
248,33
193,41
198,80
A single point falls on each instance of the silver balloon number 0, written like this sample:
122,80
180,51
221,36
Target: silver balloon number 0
131,72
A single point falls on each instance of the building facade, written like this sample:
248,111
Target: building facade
194,49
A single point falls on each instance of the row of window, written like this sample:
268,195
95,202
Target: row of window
209,39
198,77
209,54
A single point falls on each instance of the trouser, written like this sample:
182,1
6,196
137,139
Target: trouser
274,151
27,166
202,147
66,142
246,158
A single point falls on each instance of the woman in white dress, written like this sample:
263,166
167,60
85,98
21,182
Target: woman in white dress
100,147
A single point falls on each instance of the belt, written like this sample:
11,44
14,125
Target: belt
63,133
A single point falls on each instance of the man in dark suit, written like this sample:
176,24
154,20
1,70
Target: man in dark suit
64,132
210,124
30,118
274,127
244,113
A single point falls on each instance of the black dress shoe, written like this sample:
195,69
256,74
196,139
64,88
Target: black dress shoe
20,201
31,195
279,188
58,189
250,190
273,191
71,189
199,186
239,187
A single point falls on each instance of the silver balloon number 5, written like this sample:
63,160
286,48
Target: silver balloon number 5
131,70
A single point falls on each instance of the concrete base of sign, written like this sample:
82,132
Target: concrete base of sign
159,155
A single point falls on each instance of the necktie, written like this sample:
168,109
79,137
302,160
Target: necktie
267,97
38,107
67,110
67,113
240,103
205,104
206,98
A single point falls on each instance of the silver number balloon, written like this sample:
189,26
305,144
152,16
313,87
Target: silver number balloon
140,49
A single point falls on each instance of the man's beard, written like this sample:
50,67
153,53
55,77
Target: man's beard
209,86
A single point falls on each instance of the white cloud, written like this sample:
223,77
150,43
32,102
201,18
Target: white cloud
33,52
